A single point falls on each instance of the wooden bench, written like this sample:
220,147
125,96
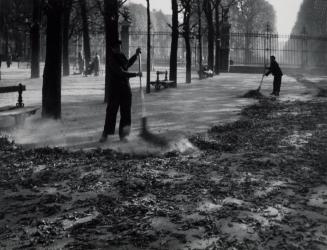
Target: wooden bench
205,72
19,111
164,83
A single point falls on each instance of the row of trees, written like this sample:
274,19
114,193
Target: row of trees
55,13
212,18
64,19
312,21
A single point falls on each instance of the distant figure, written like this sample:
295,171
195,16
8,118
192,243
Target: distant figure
275,70
80,62
120,94
18,60
96,64
9,60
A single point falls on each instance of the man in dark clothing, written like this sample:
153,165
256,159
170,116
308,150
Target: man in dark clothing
275,70
120,94
96,64
9,60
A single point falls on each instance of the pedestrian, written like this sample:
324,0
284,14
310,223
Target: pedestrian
120,94
80,62
96,64
275,70
9,60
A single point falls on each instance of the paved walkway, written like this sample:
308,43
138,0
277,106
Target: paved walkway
172,113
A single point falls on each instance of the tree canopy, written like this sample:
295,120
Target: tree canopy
252,16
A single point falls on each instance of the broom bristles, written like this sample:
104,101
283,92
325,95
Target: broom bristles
150,137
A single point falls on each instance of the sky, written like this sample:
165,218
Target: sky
286,11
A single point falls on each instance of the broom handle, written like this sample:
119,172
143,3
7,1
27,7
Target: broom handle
263,75
141,89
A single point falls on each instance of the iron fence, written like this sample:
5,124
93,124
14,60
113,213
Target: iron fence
160,48
289,50
248,49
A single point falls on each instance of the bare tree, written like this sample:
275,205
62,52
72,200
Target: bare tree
208,10
35,39
110,10
148,59
174,42
65,38
199,35
186,33
51,91
86,35
111,30
217,36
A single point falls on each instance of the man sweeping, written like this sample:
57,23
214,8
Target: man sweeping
275,70
120,94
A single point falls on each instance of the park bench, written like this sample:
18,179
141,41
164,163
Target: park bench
18,111
164,83
205,72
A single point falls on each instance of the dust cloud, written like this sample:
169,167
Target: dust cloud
40,132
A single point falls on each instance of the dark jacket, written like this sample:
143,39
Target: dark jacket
119,65
274,69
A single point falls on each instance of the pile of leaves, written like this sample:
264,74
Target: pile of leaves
255,94
257,183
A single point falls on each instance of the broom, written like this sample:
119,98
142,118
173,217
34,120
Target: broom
256,93
145,133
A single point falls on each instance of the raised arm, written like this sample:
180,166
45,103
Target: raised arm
119,71
132,60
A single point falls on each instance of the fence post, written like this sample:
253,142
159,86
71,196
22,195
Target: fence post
124,34
304,54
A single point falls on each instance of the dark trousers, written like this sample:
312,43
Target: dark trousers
119,99
277,83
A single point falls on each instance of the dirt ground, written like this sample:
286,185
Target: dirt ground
256,183
173,113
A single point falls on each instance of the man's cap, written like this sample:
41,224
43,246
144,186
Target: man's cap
273,57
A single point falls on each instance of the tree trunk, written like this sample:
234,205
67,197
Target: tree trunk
200,38
218,39
86,35
148,58
35,40
112,34
188,57
209,16
65,37
186,34
51,91
174,42
6,37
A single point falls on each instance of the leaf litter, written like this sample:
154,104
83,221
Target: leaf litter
250,185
